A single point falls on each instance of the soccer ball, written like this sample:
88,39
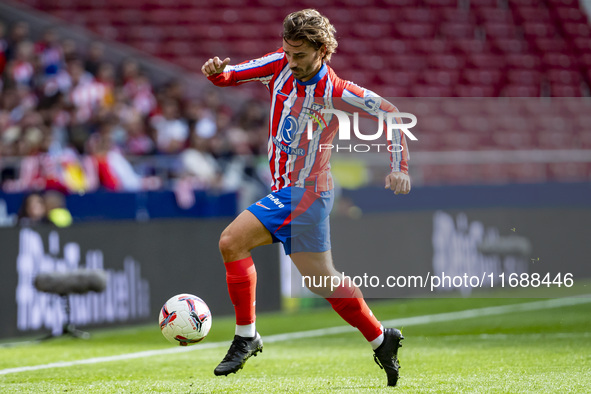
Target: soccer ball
185,319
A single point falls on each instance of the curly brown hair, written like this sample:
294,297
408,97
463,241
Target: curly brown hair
312,26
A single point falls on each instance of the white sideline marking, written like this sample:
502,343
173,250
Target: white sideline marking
405,321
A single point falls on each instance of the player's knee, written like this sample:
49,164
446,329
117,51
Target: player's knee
318,286
229,245
225,243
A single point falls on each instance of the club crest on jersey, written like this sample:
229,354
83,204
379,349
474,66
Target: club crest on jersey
316,116
286,135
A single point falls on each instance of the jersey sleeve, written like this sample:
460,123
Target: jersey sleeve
261,69
368,104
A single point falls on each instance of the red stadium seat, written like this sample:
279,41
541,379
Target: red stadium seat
521,91
476,91
430,46
450,62
485,61
526,61
564,3
512,139
510,45
457,30
584,138
478,123
494,15
559,90
420,90
341,62
555,139
407,62
441,3
582,45
366,14
529,172
566,77
177,32
482,77
93,17
477,4
575,30
414,30
397,78
401,3
523,3
471,45
457,15
568,171
442,77
556,44
391,47
162,16
149,46
393,91
538,30
126,17
585,60
419,14
500,30
373,31
570,14
532,14
521,76
559,60
356,46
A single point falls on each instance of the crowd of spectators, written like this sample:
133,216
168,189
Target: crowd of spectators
70,120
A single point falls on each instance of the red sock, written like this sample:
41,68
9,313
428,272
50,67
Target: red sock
241,277
348,302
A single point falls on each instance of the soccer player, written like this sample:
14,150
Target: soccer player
296,212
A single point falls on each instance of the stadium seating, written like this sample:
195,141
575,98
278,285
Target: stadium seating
398,48
427,35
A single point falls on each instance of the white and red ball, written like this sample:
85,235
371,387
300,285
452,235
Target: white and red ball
185,319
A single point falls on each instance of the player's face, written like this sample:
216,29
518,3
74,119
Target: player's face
304,60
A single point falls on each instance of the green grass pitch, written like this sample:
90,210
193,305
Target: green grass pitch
537,351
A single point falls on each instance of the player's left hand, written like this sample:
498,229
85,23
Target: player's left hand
399,182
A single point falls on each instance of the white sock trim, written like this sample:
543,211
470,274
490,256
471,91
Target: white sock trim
378,341
246,331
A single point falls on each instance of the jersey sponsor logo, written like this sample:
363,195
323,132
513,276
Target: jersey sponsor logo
275,200
286,135
289,129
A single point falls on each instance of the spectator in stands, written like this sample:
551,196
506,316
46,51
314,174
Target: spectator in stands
115,173
201,120
94,57
199,165
171,130
3,48
49,53
70,49
20,70
138,142
55,205
32,211
19,32
105,79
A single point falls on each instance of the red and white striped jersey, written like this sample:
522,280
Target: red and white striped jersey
293,157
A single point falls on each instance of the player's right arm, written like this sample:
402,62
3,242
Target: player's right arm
222,74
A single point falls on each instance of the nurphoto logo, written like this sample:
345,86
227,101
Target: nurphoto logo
393,122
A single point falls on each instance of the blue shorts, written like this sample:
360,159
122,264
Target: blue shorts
297,217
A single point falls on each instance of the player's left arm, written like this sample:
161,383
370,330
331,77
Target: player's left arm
369,104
